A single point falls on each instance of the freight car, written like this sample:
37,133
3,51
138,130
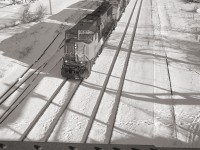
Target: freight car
83,42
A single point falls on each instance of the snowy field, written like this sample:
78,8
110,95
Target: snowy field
151,98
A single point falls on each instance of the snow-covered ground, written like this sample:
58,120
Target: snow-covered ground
159,102
179,24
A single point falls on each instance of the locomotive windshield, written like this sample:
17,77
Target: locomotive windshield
85,35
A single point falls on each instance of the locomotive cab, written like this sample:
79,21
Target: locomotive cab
80,52
76,64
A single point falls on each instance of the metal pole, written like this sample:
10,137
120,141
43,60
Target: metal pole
50,7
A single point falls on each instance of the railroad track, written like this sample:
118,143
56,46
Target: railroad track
23,83
117,99
77,85
30,87
26,83
73,90
28,73
111,124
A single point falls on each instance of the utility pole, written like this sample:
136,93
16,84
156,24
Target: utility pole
50,7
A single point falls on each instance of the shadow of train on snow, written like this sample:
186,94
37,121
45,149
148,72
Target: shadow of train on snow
16,47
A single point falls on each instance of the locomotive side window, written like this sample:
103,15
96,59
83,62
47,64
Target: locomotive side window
85,35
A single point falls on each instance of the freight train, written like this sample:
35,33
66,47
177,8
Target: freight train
83,42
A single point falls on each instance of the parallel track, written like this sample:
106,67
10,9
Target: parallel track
64,107
11,90
111,123
96,107
28,77
20,99
15,86
67,101
122,78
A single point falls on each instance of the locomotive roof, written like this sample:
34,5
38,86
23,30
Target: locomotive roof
92,26
102,9
89,22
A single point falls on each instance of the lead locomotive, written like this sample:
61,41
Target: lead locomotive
83,42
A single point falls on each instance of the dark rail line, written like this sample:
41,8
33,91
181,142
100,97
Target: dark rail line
42,111
64,107
18,101
122,78
27,71
96,107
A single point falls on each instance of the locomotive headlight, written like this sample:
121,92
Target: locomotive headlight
75,45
